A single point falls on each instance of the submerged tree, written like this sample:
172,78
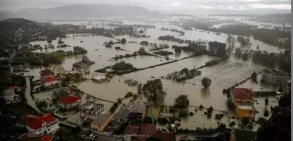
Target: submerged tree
181,101
153,91
206,82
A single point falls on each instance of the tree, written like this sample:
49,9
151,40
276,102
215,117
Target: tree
129,94
148,120
206,82
181,101
222,126
141,51
245,121
123,40
49,40
231,41
267,101
266,113
153,91
254,77
139,87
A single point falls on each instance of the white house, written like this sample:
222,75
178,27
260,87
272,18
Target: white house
45,124
91,110
275,77
10,96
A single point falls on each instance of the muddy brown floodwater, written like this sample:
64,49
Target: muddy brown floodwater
223,75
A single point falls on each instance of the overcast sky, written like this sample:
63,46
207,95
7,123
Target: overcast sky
168,6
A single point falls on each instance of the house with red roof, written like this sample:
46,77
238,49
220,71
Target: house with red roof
243,100
143,129
50,81
45,124
69,101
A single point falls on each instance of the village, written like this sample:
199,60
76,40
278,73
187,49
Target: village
87,89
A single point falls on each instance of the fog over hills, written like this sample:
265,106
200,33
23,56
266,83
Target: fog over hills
80,12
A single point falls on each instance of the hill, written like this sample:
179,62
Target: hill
72,12
275,18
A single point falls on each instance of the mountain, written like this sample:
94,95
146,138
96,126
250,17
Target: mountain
5,14
275,18
72,12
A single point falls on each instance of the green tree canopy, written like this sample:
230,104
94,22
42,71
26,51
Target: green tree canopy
181,101
206,82
153,91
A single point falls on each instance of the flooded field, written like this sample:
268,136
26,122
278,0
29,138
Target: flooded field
223,75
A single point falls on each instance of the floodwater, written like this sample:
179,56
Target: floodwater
223,75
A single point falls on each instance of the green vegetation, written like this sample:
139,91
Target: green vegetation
183,113
129,94
206,82
212,62
181,101
122,66
154,92
243,42
245,121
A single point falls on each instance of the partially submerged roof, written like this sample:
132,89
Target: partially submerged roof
101,119
137,108
242,93
49,78
122,114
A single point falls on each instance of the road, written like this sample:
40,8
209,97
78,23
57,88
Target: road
28,95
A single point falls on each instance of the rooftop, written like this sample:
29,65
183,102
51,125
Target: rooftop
46,72
69,99
122,114
137,108
101,119
36,122
242,93
49,78
243,105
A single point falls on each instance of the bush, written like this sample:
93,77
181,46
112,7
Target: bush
266,113
200,107
183,113
222,126
191,113
232,124
210,110
148,120
135,96
129,94
261,121
250,126
245,121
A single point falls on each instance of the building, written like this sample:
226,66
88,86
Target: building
136,112
61,90
46,72
101,122
143,129
35,137
91,110
243,100
69,101
84,62
10,96
275,77
121,115
50,81
45,124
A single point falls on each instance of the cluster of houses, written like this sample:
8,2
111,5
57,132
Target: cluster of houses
48,79
12,94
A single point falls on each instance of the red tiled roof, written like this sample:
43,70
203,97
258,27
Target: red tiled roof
14,87
148,129
47,138
133,129
165,136
69,99
36,122
46,79
242,93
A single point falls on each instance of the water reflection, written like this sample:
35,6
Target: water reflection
205,93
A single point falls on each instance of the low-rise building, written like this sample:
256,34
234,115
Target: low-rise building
50,81
69,101
136,111
45,124
46,72
121,115
243,100
275,77
10,96
101,122
91,110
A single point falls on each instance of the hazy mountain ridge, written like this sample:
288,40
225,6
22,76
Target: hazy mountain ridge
85,11
274,18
